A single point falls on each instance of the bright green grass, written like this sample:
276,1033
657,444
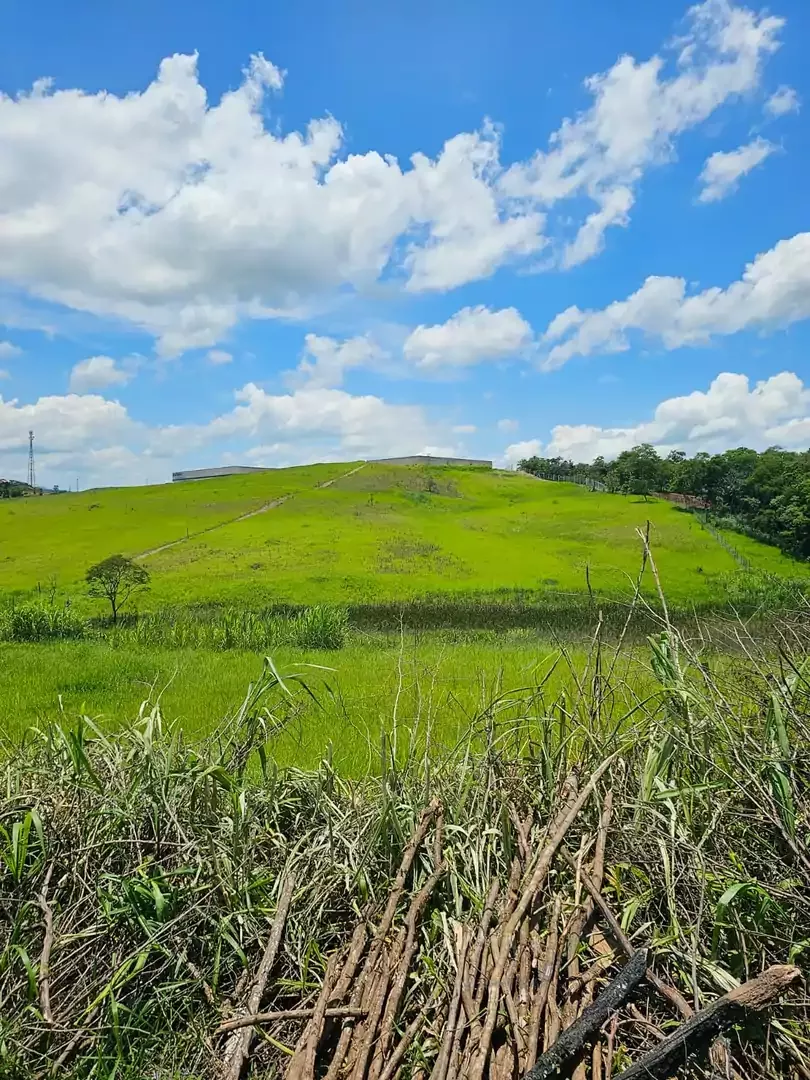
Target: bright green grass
438,689
382,535
765,557
61,535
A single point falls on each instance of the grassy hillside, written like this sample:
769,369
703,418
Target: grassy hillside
383,533
395,532
61,535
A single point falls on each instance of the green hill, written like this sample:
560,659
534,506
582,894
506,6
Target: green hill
379,534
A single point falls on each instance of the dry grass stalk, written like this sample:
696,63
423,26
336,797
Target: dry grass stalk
279,1015
666,990
45,955
454,1021
545,977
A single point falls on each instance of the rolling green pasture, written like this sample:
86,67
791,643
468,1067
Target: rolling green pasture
389,533
413,691
382,534
61,535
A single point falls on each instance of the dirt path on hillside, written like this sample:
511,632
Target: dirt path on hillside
243,517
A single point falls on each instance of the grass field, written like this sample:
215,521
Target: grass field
427,691
154,885
384,533
60,536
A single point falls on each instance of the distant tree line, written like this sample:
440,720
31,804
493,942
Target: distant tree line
765,495
13,489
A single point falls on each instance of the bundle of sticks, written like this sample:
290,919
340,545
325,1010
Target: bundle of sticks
540,979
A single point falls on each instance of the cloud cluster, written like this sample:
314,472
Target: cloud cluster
639,109
325,360
97,436
472,336
8,350
218,357
775,411
183,216
785,100
723,170
773,291
99,373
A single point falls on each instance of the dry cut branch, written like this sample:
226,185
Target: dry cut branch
238,1046
704,1026
575,1037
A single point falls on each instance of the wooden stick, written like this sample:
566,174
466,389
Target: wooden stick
238,1047
380,934
364,1038
586,989
315,1026
709,1022
442,1062
545,977
664,989
544,860
469,987
401,973
611,1042
401,1049
45,955
574,1038
358,943
285,1014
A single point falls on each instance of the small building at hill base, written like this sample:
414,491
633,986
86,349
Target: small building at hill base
414,459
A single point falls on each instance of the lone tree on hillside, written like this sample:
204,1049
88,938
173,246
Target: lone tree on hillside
115,579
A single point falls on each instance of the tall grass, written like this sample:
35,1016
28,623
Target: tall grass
37,621
318,627
161,862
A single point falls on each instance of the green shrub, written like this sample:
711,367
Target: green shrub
319,627
749,590
40,622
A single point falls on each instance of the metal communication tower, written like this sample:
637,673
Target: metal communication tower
32,475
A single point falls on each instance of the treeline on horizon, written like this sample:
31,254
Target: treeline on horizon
763,495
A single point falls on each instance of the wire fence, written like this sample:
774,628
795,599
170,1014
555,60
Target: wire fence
699,506
739,558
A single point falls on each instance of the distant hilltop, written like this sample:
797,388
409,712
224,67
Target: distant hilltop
414,459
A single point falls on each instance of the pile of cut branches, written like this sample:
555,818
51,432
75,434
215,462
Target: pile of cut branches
533,991
596,890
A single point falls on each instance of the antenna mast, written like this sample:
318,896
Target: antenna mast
32,476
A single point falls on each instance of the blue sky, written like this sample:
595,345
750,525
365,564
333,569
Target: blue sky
281,233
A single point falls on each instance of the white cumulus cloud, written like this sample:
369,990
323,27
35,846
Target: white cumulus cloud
325,360
639,109
773,291
8,350
98,373
472,336
723,170
775,411
183,216
785,100
518,451
98,439
507,425
218,357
